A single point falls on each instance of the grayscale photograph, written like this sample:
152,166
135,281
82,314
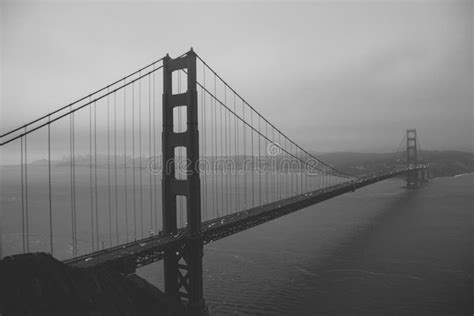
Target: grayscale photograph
236,157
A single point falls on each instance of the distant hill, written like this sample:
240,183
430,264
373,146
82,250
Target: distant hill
442,163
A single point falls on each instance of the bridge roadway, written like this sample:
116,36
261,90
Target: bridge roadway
127,257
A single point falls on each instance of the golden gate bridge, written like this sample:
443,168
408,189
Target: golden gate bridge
137,194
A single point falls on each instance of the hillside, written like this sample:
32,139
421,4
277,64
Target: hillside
38,284
442,163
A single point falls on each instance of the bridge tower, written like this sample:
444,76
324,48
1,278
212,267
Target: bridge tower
412,177
182,266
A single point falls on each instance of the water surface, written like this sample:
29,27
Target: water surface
380,250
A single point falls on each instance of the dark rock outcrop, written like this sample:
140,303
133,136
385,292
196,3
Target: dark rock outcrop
38,284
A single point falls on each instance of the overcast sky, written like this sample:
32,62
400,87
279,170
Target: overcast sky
335,76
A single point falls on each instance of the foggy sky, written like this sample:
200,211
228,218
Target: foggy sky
335,76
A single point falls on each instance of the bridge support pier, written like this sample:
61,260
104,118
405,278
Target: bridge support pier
183,266
413,176
425,175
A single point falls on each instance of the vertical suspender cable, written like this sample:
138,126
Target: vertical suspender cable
278,163
244,132
222,160
125,157
234,169
296,171
226,147
232,163
154,150
214,150
22,197
225,153
140,150
71,185
274,198
49,190
253,159
74,187
216,193
108,168
95,182
203,107
285,176
149,151
301,172
115,167
231,160
259,160
290,171
133,164
280,170
90,177
308,170
211,157
293,172
26,196
236,133
266,165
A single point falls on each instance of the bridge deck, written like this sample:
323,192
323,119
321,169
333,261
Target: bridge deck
128,257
